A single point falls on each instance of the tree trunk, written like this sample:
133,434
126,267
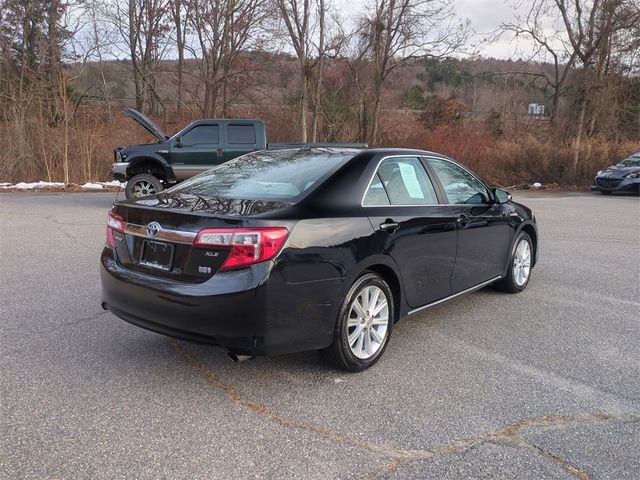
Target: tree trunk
207,99
555,106
53,63
133,42
374,114
317,100
578,141
304,101
180,44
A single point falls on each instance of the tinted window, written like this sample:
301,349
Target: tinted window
376,194
202,134
282,174
459,185
401,181
632,161
242,134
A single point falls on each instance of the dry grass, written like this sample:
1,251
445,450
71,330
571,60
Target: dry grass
532,154
35,151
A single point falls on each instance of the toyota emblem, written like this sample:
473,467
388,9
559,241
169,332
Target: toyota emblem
153,228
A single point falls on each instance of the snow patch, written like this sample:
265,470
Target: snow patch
32,185
92,186
41,184
102,185
113,183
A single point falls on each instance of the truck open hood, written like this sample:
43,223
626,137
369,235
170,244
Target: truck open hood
147,123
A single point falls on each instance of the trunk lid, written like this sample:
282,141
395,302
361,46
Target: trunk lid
159,232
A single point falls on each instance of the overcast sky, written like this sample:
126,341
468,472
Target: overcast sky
485,17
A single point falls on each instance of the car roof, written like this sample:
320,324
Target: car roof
372,151
403,151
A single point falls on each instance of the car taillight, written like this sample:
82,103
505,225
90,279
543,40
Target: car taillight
246,245
114,223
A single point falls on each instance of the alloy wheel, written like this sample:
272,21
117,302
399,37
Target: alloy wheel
368,322
142,188
522,262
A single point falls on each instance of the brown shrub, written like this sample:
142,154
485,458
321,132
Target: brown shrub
33,150
532,155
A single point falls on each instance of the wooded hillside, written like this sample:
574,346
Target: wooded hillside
400,73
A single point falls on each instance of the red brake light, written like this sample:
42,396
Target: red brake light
114,223
246,245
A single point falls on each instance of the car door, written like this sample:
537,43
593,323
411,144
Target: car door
484,233
196,150
413,227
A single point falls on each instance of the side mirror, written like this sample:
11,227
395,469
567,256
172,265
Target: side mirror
501,196
178,142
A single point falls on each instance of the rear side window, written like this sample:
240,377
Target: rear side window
460,186
241,134
268,174
401,181
201,135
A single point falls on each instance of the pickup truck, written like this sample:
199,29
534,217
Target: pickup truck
149,168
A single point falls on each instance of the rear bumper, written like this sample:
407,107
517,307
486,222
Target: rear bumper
251,311
616,185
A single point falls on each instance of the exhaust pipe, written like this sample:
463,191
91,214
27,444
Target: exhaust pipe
239,358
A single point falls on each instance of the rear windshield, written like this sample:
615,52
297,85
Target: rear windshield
278,174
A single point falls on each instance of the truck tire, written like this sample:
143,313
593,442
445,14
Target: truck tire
142,185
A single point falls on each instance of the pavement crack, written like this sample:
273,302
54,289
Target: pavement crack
233,395
86,319
569,468
511,435
59,226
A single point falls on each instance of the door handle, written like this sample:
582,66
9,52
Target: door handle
463,220
389,226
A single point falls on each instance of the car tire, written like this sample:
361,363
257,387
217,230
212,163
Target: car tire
355,351
520,266
604,192
142,185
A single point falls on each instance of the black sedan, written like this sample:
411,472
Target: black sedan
284,251
622,177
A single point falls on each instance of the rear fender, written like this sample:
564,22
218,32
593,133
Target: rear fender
387,268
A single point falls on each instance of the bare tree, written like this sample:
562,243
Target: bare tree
548,41
589,27
180,19
389,34
142,26
317,87
297,17
225,30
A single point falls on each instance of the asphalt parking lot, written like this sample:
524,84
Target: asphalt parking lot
545,384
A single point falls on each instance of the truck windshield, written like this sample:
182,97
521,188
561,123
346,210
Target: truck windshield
268,174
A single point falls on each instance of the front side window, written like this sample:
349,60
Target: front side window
400,181
201,135
273,174
241,134
460,186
